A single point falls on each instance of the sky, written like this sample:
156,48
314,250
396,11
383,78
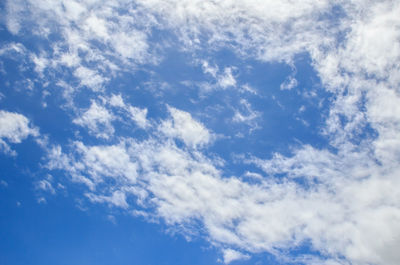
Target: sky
199,132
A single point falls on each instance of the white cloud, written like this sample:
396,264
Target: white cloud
14,9
253,175
139,116
227,79
232,255
220,79
347,199
245,114
14,128
45,185
208,69
109,161
41,200
269,30
97,26
117,101
89,78
289,83
40,63
348,205
185,128
249,89
117,198
132,46
98,120
73,9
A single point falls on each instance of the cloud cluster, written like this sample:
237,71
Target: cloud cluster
14,128
341,199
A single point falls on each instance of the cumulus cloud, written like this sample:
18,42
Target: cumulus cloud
182,126
339,215
89,78
14,128
342,199
232,255
226,80
137,115
98,120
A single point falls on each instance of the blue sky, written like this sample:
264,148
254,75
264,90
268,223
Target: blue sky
199,132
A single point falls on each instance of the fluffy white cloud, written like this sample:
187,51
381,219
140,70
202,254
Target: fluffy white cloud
14,128
347,204
139,116
98,120
346,200
89,78
227,79
185,128
117,101
232,255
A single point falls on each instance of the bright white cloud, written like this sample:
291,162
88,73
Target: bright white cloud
139,116
98,120
208,69
184,127
289,83
348,207
14,128
117,101
245,114
89,78
337,211
110,161
227,79
232,255
117,199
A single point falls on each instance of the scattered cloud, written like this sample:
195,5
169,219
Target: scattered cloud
182,126
342,198
226,79
232,255
45,185
139,117
89,78
117,199
98,120
245,114
289,83
117,101
14,128
247,88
